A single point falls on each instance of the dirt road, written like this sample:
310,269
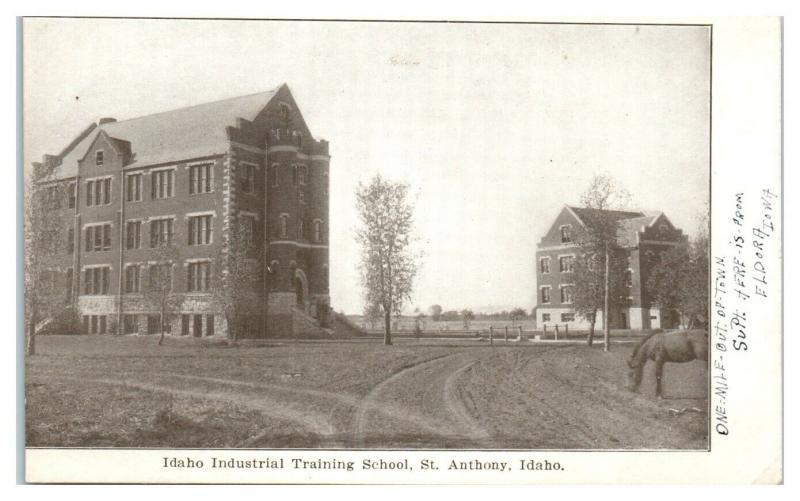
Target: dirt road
412,395
554,397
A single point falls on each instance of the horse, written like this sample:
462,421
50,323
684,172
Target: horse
663,347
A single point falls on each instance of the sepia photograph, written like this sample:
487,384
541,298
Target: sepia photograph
345,235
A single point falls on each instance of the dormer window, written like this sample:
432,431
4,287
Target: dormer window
566,234
98,158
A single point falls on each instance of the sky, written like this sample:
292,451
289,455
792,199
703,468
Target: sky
494,126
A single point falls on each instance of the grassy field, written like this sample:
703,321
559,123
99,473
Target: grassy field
90,391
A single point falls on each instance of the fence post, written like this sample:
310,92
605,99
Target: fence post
491,335
505,335
556,338
566,330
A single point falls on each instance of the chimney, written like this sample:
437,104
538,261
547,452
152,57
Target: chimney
107,120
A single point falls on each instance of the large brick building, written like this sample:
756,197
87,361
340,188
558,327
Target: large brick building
189,176
640,237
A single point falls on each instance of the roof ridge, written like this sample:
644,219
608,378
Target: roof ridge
216,101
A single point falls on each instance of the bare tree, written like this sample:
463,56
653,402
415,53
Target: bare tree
600,235
589,293
43,235
159,289
517,314
388,265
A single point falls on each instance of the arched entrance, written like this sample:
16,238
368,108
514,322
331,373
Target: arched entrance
301,289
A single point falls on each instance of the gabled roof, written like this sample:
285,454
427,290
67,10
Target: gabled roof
586,215
629,223
192,132
627,229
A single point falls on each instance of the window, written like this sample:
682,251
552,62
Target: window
283,112
248,177
200,179
274,174
301,174
545,317
294,175
98,157
566,231
248,229
566,294
95,280
130,323
133,235
298,136
567,317
662,227
160,232
317,230
70,240
301,197
628,278
94,324
199,276
162,184
544,265
72,193
133,192
545,295
153,324
160,277
98,192
200,230
98,237
284,225
566,264
209,325
132,276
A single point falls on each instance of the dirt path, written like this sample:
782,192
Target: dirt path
455,405
319,399
428,391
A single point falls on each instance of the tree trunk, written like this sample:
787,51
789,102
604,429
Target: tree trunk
31,348
231,329
590,337
606,327
161,321
387,333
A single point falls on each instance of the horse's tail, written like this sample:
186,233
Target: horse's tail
639,347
